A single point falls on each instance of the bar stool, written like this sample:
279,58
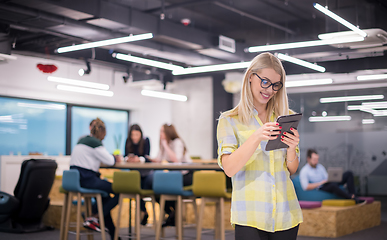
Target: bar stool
170,186
71,183
64,211
128,185
211,187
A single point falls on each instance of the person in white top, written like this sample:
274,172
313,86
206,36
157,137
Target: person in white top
173,150
87,157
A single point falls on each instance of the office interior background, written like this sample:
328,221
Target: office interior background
37,115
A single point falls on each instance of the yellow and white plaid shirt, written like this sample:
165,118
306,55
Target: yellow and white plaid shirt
263,194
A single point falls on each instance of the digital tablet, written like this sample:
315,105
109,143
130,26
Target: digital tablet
286,122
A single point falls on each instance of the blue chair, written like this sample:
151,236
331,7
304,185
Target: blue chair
71,183
311,195
170,186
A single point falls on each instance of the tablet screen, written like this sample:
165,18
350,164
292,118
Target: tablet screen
286,122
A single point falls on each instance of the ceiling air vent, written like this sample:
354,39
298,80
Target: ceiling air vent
227,44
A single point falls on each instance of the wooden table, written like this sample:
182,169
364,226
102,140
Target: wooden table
202,165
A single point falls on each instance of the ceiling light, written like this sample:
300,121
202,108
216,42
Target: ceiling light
105,42
329,119
42,106
311,82
211,68
85,90
145,61
7,57
301,62
82,71
371,77
332,35
304,44
350,98
375,104
368,121
170,96
339,19
100,86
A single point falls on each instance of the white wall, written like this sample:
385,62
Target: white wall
193,119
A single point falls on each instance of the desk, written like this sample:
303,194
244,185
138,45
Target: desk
210,165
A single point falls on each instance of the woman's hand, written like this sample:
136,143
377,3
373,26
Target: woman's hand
268,131
290,139
133,158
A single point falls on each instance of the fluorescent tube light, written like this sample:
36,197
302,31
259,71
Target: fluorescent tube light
105,42
368,121
311,82
350,98
85,90
170,96
42,106
305,44
301,62
378,113
329,119
7,57
371,77
331,35
375,104
145,61
100,86
211,68
339,19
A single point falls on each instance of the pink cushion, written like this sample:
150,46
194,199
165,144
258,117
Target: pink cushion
310,204
369,200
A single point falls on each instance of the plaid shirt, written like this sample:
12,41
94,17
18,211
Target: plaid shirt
263,194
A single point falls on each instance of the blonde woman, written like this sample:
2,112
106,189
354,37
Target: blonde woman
264,203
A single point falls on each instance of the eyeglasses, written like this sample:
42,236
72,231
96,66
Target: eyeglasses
266,83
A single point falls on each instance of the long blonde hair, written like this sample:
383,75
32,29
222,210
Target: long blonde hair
278,103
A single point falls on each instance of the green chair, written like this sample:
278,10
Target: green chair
216,192
128,185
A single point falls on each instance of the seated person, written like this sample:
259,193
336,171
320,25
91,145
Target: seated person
137,149
314,176
172,149
86,157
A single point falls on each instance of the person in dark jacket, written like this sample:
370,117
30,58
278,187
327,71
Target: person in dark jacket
137,149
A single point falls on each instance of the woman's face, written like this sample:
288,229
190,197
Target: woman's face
263,95
162,133
135,135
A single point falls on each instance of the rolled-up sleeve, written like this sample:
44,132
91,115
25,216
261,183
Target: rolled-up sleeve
227,141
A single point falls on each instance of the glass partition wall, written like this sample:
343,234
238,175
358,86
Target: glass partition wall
358,144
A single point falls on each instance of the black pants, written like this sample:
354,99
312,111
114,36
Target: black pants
251,233
91,180
334,188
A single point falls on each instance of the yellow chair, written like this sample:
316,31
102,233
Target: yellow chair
128,185
211,187
338,202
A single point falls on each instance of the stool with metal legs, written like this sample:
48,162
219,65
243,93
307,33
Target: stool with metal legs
128,185
71,183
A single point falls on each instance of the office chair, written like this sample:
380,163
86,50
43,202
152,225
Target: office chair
24,211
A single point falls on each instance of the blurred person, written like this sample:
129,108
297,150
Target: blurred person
86,157
173,150
137,149
264,204
313,175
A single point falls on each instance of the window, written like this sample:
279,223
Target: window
29,126
116,122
